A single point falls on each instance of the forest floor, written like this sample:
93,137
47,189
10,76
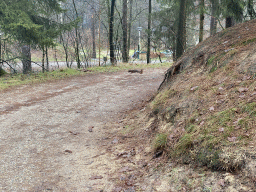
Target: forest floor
61,136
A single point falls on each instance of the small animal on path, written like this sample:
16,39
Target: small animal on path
135,71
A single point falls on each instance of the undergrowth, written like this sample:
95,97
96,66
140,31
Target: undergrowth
215,144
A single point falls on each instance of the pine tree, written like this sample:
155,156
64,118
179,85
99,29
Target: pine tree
29,22
181,35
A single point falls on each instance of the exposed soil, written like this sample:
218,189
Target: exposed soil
55,136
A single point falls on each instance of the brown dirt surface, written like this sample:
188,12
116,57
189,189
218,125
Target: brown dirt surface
58,136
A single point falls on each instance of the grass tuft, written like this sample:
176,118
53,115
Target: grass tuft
160,141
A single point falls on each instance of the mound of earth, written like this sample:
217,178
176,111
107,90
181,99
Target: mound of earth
198,133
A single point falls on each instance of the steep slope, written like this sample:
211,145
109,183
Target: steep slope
204,115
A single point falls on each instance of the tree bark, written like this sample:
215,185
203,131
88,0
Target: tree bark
77,40
250,9
1,60
201,31
26,59
99,32
130,26
124,23
111,33
181,38
93,38
43,69
213,24
229,22
149,30
47,59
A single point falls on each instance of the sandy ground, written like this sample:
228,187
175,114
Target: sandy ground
45,142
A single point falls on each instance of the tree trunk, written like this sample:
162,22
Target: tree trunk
130,26
2,72
250,9
99,31
124,23
181,38
201,31
47,59
229,22
93,38
149,31
213,24
111,33
26,59
43,69
77,40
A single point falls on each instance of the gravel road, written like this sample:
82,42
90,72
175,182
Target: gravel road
45,142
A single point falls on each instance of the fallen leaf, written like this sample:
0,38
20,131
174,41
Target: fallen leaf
211,108
254,93
122,153
193,88
129,182
221,129
236,122
74,133
242,89
202,123
90,128
220,101
221,182
171,136
115,141
232,139
246,78
118,189
125,169
68,151
238,127
96,177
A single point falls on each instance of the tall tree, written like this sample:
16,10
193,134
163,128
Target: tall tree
250,9
201,28
181,34
124,26
149,30
93,38
233,11
111,33
25,21
77,43
130,25
213,23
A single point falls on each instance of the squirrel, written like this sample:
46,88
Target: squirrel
135,71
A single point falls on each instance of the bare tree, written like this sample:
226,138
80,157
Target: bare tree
149,30
111,33
124,25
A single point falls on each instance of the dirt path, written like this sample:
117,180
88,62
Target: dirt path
45,144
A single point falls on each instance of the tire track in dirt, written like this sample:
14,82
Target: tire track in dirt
45,143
